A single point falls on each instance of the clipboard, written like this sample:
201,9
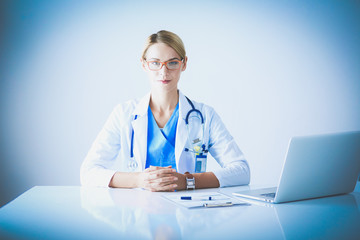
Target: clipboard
200,200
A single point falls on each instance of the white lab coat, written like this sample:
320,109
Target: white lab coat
111,150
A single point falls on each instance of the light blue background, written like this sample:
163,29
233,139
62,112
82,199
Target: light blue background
271,69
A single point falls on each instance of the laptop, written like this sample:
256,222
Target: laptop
315,166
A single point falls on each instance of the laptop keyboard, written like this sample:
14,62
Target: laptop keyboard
272,195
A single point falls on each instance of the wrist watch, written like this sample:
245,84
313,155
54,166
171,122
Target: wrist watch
190,181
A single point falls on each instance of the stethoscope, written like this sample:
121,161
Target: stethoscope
197,143
194,142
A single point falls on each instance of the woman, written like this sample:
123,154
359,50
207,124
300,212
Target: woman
159,142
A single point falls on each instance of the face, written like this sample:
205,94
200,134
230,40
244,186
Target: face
163,79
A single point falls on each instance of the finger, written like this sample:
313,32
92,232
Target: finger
155,168
153,176
160,182
169,187
159,171
160,174
165,170
165,188
152,167
165,180
164,167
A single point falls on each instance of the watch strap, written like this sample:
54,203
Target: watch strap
190,181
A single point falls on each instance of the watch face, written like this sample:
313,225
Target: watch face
190,183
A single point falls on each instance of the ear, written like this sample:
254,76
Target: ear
143,64
184,64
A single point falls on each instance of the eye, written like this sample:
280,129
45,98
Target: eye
173,63
155,63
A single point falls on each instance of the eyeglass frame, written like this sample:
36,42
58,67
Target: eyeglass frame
164,63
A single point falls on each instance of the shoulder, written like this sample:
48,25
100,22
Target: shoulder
126,107
204,108
210,116
123,112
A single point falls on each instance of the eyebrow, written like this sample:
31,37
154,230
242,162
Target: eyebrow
156,59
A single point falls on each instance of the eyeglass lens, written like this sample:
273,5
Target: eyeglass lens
171,65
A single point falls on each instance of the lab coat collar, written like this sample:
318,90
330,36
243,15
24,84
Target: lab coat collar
140,126
181,133
142,106
184,106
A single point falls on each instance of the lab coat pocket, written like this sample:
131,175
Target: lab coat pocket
186,162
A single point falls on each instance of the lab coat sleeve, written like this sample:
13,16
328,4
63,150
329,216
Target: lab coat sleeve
234,167
96,168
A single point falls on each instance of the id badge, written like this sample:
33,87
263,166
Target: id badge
200,163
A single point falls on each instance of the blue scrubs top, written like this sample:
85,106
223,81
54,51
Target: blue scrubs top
161,141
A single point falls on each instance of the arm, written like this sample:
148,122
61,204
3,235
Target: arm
161,179
234,167
202,180
153,179
235,170
96,169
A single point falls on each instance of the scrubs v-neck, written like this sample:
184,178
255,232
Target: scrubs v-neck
161,141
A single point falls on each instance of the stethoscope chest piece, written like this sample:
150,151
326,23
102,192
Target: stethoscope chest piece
132,164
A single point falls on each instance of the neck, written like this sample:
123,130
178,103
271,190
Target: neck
164,101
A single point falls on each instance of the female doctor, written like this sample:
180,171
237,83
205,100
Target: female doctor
161,142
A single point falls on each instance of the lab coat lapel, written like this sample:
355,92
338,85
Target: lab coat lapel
140,126
181,131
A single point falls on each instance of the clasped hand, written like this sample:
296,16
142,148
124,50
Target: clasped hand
158,179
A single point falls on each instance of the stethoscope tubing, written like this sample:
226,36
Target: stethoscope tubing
186,122
192,110
132,141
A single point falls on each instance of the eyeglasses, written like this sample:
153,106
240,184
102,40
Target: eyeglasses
170,65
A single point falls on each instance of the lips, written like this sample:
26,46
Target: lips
164,81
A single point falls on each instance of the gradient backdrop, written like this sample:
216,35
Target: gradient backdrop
271,69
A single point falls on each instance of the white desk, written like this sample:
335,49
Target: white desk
46,212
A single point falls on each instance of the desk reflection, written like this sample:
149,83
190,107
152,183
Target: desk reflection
134,213
102,213
140,214
335,217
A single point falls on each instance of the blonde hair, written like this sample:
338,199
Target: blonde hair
169,38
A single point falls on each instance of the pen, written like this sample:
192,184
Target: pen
196,198
226,204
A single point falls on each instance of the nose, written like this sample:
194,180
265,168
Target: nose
163,71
